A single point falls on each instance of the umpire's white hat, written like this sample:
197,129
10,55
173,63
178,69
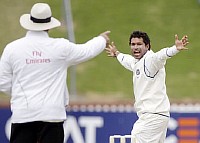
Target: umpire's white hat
39,19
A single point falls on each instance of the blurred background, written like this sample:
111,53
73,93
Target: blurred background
104,76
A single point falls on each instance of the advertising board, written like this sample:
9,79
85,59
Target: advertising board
95,123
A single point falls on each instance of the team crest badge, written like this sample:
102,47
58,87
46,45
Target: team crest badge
137,72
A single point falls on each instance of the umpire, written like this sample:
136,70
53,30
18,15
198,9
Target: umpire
33,70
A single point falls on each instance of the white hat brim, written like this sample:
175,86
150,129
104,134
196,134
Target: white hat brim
28,24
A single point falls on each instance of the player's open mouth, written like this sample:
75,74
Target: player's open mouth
136,53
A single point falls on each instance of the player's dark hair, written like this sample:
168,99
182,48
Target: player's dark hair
140,34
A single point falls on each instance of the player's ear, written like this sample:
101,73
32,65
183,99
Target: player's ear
147,46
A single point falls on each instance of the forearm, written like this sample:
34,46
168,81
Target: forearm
96,45
166,53
5,84
172,51
83,52
5,76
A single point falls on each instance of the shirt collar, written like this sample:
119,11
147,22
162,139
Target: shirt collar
149,52
146,54
37,33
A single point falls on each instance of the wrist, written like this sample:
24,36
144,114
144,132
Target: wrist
116,53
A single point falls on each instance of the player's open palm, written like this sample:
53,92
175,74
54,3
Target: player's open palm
181,44
111,50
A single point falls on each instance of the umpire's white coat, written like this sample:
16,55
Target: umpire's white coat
33,70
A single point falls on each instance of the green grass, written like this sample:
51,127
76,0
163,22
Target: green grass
103,76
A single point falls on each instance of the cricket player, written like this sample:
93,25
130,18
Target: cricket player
33,70
151,101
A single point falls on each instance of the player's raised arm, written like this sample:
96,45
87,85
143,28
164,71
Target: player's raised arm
181,44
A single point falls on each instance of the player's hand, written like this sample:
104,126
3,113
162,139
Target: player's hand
181,44
111,50
105,35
